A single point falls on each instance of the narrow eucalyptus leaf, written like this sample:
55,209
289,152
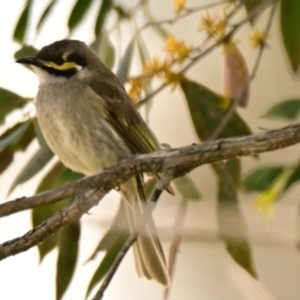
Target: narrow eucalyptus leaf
262,178
37,162
8,102
20,30
288,110
125,63
78,12
290,31
207,111
106,262
103,12
105,49
232,225
187,188
14,136
45,14
68,247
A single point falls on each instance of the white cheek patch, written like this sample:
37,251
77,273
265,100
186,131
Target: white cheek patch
42,75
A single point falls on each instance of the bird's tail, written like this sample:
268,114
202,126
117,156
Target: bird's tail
149,257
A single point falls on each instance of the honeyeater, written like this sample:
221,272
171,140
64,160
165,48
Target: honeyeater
89,121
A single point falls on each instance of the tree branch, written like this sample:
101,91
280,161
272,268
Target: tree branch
183,160
95,187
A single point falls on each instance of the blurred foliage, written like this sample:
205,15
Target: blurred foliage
213,115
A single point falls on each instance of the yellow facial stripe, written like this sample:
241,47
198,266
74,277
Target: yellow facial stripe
65,66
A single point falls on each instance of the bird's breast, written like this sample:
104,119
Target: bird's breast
75,128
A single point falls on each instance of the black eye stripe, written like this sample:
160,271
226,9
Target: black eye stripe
59,61
60,73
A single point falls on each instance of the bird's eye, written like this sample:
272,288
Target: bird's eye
59,61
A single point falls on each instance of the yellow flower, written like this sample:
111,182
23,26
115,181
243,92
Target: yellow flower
136,88
213,25
179,4
177,49
258,38
172,78
156,66
207,23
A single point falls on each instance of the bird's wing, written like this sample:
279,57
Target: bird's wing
123,116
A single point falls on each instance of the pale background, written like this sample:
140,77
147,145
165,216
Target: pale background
204,269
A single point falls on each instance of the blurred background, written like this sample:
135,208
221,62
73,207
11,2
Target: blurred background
204,269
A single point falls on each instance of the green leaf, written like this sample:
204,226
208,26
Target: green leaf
104,47
105,7
25,51
106,262
45,14
287,110
231,221
149,186
21,27
250,6
294,177
37,162
125,63
187,188
67,257
122,12
207,111
16,141
57,176
39,215
118,228
78,12
262,179
39,134
6,158
143,50
14,135
290,31
8,102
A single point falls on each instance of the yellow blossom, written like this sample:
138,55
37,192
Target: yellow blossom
258,38
213,25
179,5
156,66
172,78
136,87
177,49
207,23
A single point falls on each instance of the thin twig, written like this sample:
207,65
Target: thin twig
100,293
263,45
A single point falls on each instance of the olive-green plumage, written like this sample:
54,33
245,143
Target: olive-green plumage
89,121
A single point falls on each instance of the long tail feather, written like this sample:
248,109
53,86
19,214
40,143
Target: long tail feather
148,252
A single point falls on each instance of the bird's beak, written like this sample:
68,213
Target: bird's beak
31,61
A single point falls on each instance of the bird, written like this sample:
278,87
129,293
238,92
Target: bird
90,123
